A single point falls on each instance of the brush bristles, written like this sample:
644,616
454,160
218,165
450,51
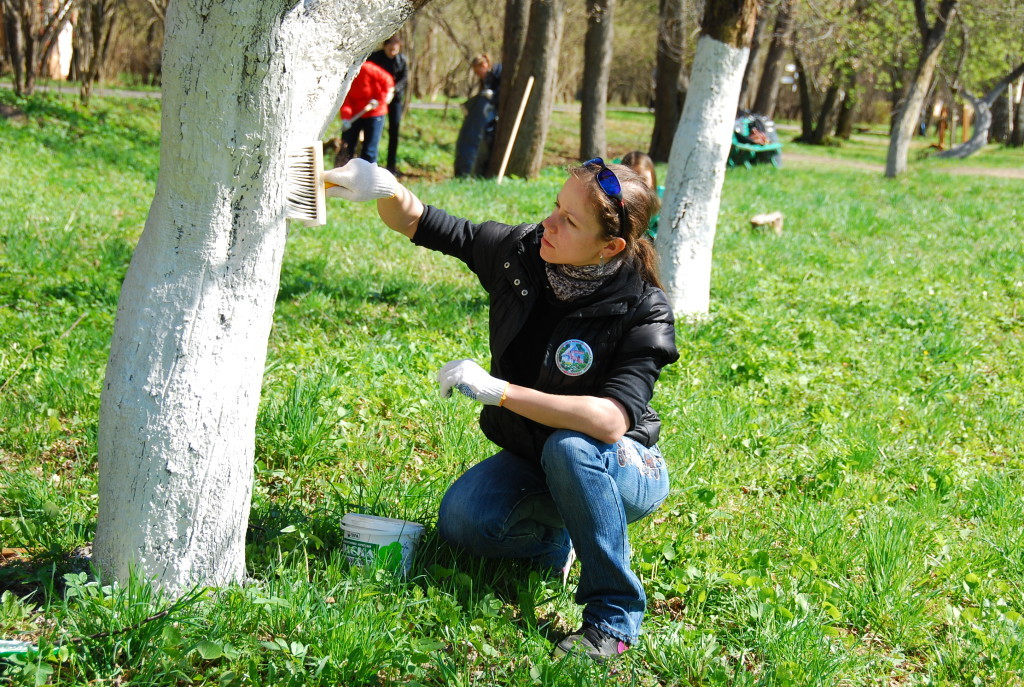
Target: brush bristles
304,195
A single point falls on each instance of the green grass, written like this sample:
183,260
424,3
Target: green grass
845,434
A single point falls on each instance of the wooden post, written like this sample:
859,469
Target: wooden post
515,129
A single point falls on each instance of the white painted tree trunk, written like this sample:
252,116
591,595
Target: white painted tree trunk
696,171
909,117
244,81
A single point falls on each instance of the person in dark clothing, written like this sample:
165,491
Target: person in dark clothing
580,330
489,75
390,57
476,135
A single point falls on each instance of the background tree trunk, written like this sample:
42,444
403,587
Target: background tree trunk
1002,113
696,168
92,36
15,50
517,21
909,112
539,59
597,61
670,84
827,115
516,25
774,61
244,83
803,83
752,71
848,108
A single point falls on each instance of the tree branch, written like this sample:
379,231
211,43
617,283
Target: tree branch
991,96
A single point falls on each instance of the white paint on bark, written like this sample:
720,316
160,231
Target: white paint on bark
696,171
244,82
909,116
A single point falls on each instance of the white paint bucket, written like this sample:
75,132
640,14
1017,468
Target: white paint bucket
377,541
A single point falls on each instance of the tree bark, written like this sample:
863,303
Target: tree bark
827,115
517,22
696,168
244,83
774,61
670,84
982,117
753,69
847,109
15,50
540,59
597,62
516,25
1002,113
909,112
92,37
803,83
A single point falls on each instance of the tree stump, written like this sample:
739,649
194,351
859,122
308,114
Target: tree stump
767,222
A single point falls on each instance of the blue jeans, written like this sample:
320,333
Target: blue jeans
371,128
581,494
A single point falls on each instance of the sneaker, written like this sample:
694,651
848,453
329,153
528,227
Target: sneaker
595,643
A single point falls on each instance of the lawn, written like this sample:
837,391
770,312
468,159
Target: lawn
844,433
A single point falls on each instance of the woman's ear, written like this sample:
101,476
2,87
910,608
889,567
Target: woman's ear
613,247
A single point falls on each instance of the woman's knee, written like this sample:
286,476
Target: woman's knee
455,519
566,451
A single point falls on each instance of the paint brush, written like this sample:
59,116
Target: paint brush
305,188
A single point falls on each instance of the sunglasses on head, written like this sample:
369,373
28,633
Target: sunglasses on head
609,183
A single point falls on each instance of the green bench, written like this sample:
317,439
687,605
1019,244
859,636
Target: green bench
750,154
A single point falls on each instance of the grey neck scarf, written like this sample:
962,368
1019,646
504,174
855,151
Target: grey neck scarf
570,282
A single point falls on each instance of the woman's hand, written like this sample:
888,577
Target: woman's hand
471,380
360,181
605,419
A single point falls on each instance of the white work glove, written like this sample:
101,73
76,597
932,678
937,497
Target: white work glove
471,379
360,180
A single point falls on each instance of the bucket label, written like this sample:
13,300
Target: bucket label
364,553
360,552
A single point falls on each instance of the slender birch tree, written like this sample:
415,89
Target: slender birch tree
696,167
244,82
908,113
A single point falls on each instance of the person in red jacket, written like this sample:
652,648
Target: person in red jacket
364,109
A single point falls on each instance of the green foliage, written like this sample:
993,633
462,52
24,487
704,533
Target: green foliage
844,433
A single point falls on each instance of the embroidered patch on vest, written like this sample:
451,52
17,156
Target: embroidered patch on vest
574,357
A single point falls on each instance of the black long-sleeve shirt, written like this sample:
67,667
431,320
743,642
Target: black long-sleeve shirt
612,343
397,66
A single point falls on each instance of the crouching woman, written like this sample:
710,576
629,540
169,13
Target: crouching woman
580,330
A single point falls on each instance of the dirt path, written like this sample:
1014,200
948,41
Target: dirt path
821,161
